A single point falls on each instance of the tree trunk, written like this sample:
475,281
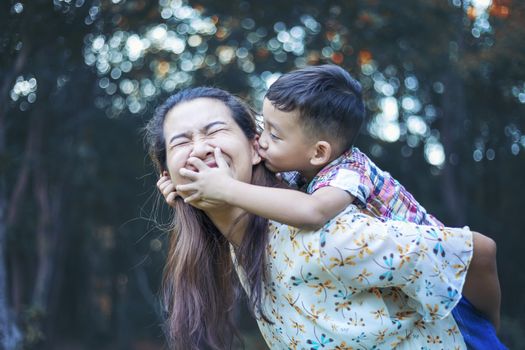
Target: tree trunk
15,200
10,336
47,233
49,198
453,118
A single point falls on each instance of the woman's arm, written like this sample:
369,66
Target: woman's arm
287,206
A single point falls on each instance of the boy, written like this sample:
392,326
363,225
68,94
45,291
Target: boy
311,119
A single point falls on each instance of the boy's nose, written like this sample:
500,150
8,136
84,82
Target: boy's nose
263,143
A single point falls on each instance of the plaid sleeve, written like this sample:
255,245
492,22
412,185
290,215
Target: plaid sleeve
350,176
292,179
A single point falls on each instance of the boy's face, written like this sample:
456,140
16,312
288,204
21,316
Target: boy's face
283,143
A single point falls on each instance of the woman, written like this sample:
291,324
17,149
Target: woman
357,282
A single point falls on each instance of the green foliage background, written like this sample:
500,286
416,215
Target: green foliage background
81,261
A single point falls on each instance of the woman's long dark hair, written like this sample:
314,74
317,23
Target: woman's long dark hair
200,285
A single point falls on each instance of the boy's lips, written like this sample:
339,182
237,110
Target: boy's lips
262,155
265,160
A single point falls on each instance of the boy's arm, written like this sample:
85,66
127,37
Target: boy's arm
283,205
290,207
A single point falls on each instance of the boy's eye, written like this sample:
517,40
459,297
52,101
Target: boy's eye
274,137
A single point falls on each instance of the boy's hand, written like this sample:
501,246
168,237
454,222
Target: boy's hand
210,185
166,187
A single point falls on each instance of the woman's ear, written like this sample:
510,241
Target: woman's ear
256,158
322,153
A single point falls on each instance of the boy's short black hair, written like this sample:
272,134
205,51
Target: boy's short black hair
328,99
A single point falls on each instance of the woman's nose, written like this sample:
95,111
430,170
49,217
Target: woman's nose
201,149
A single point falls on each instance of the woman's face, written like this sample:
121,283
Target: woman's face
194,128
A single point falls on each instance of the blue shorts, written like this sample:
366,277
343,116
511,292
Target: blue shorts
477,331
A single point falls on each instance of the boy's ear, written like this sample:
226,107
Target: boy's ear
322,153
256,158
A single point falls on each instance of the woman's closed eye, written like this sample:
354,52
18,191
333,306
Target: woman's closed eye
179,142
215,131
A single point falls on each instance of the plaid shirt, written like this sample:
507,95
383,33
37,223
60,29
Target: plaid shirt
374,190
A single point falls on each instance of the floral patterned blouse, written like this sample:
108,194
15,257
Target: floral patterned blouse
359,283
